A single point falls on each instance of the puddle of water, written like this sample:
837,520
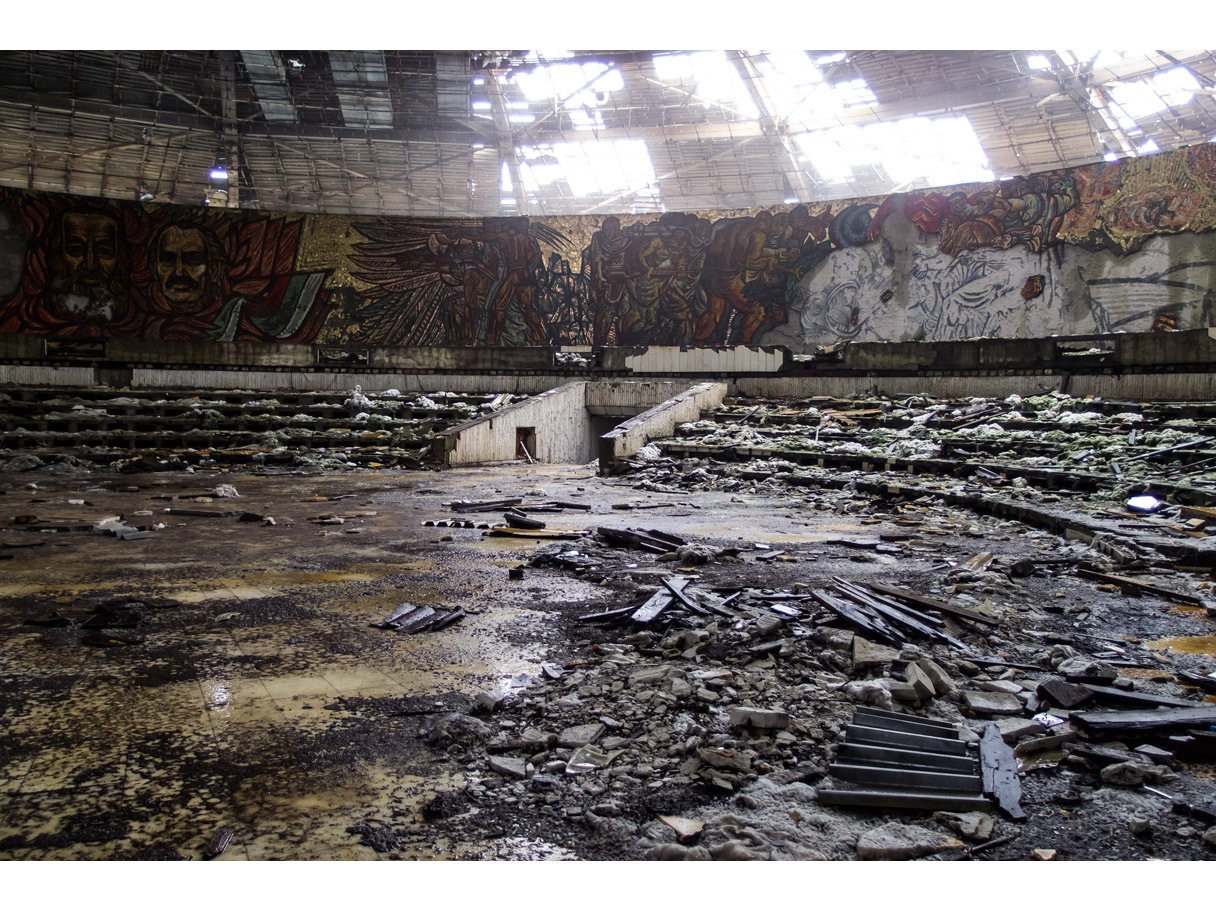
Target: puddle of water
518,848
1192,645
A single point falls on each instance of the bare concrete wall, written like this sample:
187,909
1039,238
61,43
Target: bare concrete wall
630,436
1183,386
158,378
558,418
627,398
1022,384
668,359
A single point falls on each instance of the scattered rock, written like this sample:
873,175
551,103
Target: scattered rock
1130,773
943,684
866,654
869,693
509,766
919,682
458,729
1063,694
974,826
579,735
901,841
992,704
1043,854
767,719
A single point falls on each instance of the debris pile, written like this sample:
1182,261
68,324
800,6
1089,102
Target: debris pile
332,431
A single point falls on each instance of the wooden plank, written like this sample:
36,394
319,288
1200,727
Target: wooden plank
908,724
950,727
873,597
424,616
926,801
872,625
907,779
898,617
448,619
678,591
652,607
607,615
1138,586
863,734
931,603
1136,698
400,612
999,771
485,506
536,533
874,755
1145,721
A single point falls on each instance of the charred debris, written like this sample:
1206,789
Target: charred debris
961,695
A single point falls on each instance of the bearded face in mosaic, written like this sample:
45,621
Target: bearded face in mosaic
89,269
189,265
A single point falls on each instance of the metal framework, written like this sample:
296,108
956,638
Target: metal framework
448,132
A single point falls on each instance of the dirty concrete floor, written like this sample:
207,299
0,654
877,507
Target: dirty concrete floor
240,707
258,701
262,701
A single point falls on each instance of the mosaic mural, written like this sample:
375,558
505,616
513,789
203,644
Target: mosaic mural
1126,245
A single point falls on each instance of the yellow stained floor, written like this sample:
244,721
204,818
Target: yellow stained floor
239,708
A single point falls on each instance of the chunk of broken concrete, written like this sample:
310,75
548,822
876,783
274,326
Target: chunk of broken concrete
687,828
870,693
1058,736
1131,774
1014,729
903,692
724,758
1043,854
866,653
919,681
900,842
1005,687
992,704
515,767
942,682
974,826
1063,694
579,735
759,718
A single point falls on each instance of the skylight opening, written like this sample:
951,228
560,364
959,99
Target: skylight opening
711,77
931,152
506,185
1148,148
854,92
825,59
581,87
789,79
590,168
1107,59
481,106
1143,98
1038,62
